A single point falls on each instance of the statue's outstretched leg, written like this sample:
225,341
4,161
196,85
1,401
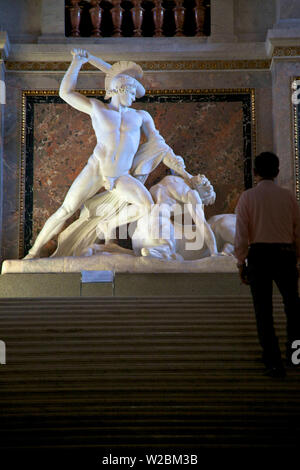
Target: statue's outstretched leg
51,228
84,186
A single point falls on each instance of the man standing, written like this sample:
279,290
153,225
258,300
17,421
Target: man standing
268,241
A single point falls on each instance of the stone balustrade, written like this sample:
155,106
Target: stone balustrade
137,18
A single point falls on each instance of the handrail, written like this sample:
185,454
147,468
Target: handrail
137,18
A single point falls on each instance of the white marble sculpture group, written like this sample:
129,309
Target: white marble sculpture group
121,164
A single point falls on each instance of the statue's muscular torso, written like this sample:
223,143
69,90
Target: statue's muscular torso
118,137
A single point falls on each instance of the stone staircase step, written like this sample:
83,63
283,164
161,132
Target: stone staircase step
134,374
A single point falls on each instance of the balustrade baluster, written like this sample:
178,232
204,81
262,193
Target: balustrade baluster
189,16
96,17
179,15
137,13
117,16
158,18
75,17
199,11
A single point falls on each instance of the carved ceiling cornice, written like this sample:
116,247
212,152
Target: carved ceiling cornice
169,65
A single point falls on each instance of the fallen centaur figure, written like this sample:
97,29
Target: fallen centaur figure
162,234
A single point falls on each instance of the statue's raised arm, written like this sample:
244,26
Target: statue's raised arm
68,85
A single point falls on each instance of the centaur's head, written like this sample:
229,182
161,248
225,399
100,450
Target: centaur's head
205,190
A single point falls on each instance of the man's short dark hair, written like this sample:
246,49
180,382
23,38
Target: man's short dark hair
266,165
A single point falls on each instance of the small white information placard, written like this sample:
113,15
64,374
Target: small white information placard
2,352
2,92
97,276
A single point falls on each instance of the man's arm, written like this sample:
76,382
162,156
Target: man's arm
175,162
241,240
241,233
296,229
67,87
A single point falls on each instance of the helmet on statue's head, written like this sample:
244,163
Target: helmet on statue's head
123,72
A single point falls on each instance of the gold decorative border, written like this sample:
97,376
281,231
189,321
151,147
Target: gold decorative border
22,180
296,141
207,65
286,51
168,65
253,122
25,93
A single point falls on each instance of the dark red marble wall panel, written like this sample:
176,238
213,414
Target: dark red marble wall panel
209,136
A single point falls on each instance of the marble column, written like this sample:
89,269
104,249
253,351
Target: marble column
52,21
283,43
283,133
4,50
222,21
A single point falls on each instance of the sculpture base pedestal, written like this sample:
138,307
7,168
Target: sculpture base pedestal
120,263
134,285
131,277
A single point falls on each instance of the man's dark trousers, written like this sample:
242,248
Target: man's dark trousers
278,262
